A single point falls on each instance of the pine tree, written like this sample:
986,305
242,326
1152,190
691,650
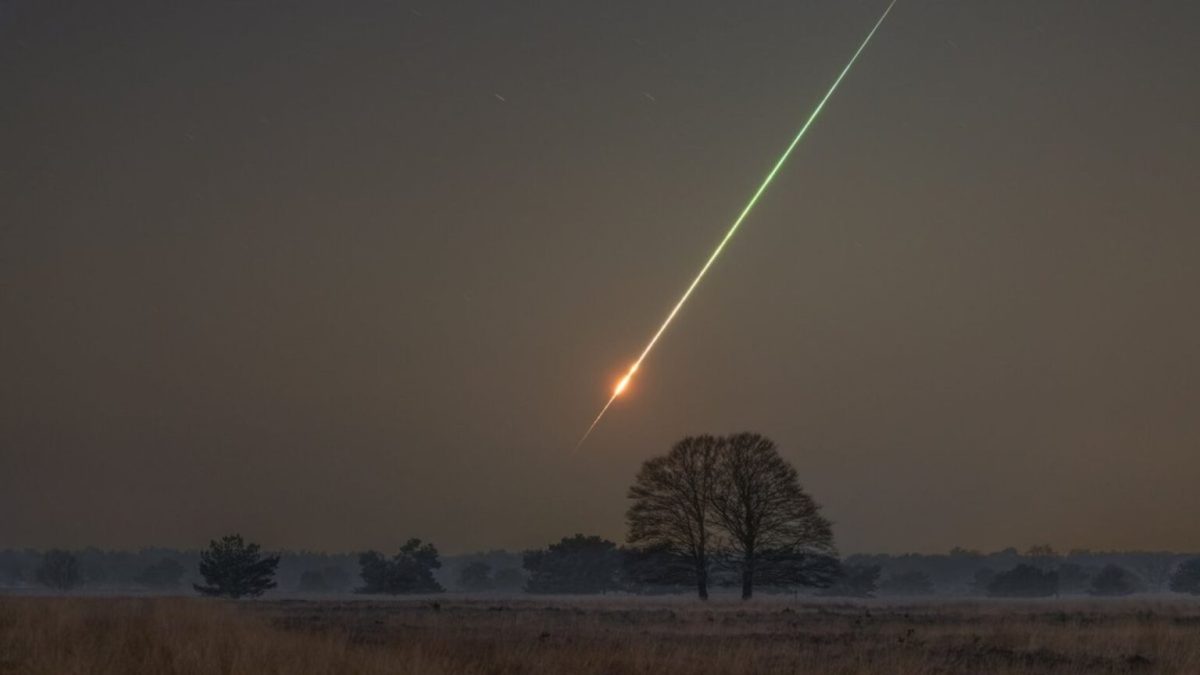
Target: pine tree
235,569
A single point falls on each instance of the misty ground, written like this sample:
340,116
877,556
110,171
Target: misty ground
519,634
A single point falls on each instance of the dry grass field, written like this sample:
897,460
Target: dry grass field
135,636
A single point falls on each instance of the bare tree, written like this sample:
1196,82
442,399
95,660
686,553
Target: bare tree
776,533
672,496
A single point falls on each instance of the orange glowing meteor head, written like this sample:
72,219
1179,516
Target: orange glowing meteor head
624,381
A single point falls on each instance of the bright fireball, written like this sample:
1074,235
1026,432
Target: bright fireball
624,381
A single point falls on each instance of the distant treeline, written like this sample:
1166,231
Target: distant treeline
968,572
581,564
715,512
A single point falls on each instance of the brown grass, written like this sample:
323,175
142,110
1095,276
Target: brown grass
134,636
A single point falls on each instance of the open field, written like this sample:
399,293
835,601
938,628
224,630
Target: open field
64,636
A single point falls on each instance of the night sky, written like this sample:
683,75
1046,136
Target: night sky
336,274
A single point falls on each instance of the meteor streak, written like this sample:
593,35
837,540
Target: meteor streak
624,381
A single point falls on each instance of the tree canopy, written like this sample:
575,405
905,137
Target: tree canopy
773,531
671,513
578,564
409,571
233,568
1114,580
731,502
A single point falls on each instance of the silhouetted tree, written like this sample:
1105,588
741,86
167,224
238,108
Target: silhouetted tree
476,577
914,582
59,570
1186,578
576,564
165,574
1024,581
377,572
409,571
773,529
234,569
672,498
854,581
1114,580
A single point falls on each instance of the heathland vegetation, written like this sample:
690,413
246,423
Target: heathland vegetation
595,636
721,518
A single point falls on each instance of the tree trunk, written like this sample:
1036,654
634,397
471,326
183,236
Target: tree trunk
702,581
748,579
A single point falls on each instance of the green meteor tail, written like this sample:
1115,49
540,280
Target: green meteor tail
738,222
